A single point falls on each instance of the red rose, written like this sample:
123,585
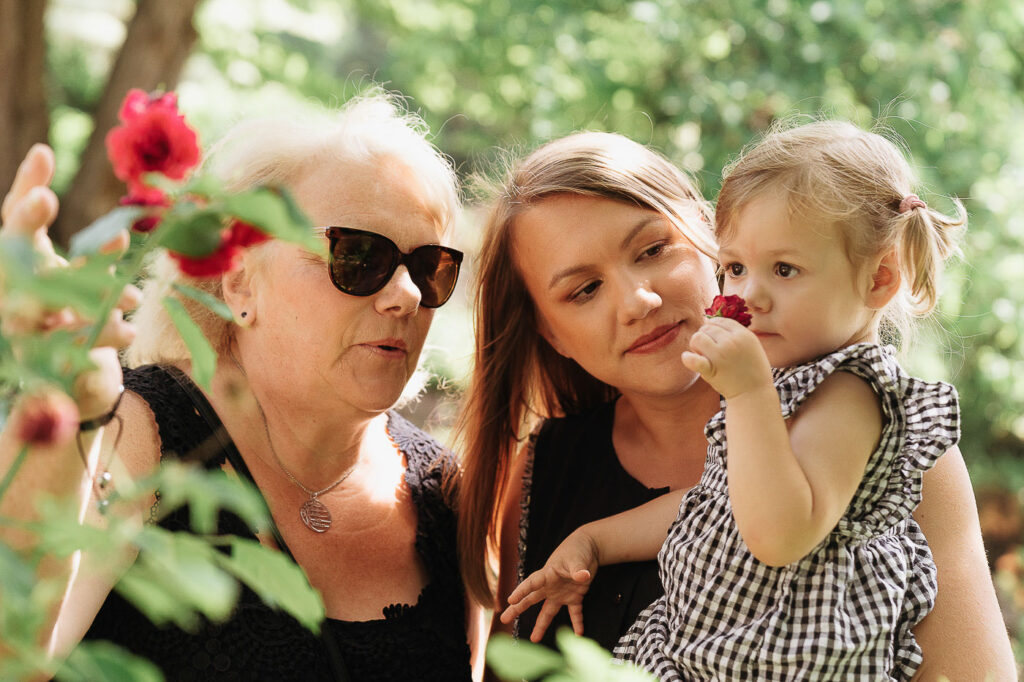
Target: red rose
217,263
244,234
46,419
149,197
733,307
152,138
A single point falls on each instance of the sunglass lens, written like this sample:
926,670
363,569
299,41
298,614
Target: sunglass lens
360,263
434,270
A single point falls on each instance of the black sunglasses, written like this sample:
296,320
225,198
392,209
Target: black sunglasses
362,262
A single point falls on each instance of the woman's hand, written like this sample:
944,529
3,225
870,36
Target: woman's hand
563,581
28,210
729,357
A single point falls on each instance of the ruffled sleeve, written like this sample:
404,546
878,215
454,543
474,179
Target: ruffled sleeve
921,422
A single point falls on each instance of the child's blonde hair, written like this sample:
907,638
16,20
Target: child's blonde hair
838,174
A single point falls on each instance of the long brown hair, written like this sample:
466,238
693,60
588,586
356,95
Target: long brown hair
518,379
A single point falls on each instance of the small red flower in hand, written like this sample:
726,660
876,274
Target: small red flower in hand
152,138
733,307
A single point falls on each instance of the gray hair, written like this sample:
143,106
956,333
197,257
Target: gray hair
276,152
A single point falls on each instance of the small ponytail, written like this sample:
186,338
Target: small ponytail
927,238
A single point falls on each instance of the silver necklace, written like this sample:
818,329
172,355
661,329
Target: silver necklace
313,513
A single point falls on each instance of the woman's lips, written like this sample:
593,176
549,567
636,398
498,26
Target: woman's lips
391,348
656,340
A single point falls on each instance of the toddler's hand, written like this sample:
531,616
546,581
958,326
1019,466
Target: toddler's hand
563,581
729,357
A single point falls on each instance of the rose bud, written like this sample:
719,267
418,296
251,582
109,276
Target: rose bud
46,419
733,307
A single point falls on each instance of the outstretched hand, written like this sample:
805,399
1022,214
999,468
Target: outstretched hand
563,581
28,210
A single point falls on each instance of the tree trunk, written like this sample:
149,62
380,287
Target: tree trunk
24,117
159,39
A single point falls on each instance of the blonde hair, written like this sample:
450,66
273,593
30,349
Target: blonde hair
517,377
277,152
835,173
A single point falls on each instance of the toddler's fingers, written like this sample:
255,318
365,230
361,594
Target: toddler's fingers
531,583
544,618
576,616
698,363
36,169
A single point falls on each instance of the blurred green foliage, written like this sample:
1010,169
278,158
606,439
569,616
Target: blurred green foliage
696,79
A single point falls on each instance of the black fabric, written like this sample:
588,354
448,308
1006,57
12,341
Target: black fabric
423,641
577,478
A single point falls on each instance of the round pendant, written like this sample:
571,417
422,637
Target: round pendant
315,515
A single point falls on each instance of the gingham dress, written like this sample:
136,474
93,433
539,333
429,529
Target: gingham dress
843,612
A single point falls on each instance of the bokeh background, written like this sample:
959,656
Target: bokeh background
697,79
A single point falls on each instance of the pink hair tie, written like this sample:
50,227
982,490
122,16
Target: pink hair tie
910,202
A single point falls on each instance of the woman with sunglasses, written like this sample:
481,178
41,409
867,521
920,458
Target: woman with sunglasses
596,266
318,353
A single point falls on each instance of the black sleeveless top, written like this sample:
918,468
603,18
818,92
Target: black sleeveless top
576,478
423,641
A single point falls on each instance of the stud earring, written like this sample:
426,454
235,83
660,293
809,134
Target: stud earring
244,314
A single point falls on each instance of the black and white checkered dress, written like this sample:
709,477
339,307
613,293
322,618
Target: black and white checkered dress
843,612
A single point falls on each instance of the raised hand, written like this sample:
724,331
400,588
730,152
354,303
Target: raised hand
563,581
28,210
728,356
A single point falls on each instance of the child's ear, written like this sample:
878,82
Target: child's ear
885,280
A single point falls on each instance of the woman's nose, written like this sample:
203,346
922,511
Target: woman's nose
639,300
400,296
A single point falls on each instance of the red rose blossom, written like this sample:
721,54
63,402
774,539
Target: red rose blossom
222,260
733,307
152,138
244,234
46,419
149,197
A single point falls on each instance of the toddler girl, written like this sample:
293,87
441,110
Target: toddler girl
796,556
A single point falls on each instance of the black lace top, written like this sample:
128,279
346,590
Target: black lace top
422,641
576,478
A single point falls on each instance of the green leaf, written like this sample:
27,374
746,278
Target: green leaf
176,576
203,184
514,660
89,240
191,231
204,359
276,579
99,660
274,211
16,575
586,658
209,300
205,492
83,287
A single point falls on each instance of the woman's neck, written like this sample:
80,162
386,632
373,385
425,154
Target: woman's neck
660,439
313,440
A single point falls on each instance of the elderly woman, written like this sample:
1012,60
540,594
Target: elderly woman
318,353
596,266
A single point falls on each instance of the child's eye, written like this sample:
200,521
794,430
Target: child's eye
586,292
785,270
735,269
